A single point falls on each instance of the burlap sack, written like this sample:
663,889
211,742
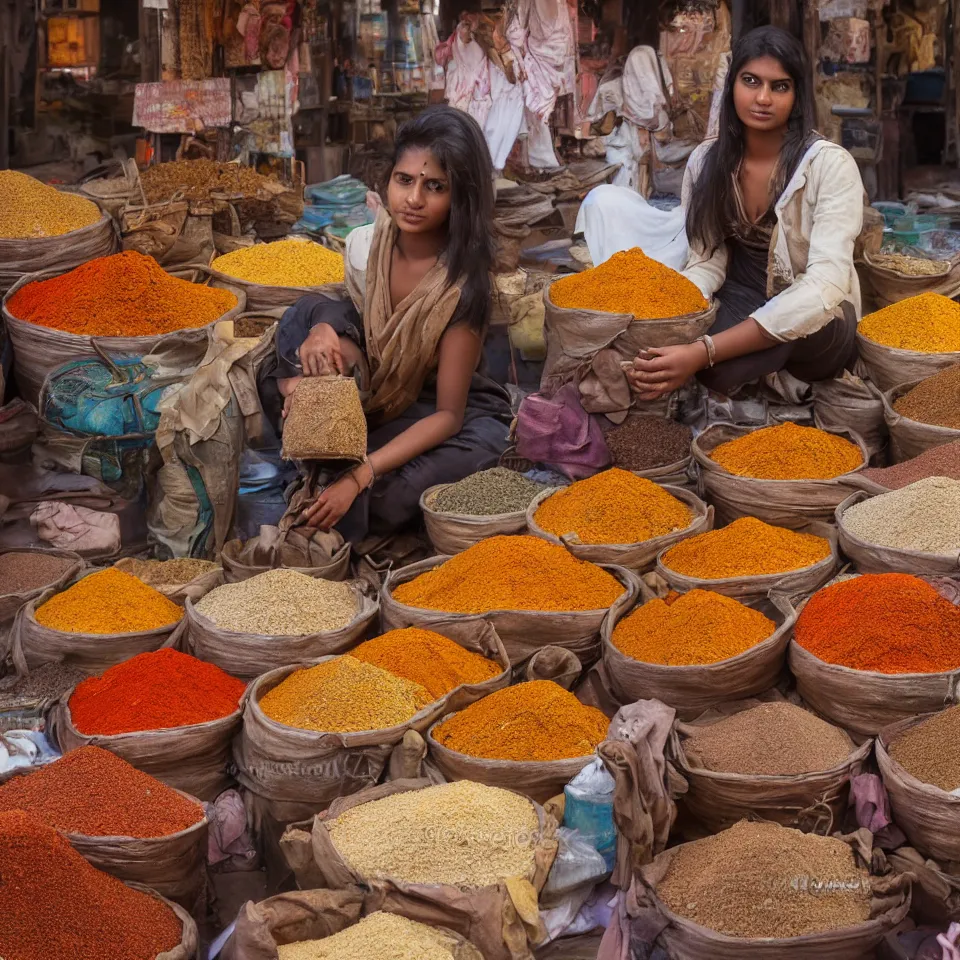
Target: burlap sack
874,558
175,233
31,644
793,584
189,947
685,940
302,771
884,286
556,664
679,474
22,256
317,914
812,802
502,921
889,366
925,813
909,438
851,404
692,689
325,421
262,296
783,503
11,603
38,351
638,557
935,894
587,347
452,533
247,655
321,555
180,592
523,632
193,759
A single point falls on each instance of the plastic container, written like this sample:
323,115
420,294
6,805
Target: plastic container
589,809
891,211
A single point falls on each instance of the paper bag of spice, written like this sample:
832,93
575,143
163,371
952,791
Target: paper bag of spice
325,421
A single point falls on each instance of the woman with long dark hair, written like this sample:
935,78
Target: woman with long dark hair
772,214
419,279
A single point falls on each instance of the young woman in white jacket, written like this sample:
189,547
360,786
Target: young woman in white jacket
772,213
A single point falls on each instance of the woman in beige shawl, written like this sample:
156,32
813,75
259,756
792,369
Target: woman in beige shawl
421,277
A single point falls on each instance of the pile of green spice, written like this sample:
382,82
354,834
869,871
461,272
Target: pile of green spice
48,682
27,571
941,461
935,401
924,516
763,880
642,443
169,573
96,794
488,493
930,751
770,740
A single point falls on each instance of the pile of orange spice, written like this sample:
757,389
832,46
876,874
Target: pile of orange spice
124,295
614,506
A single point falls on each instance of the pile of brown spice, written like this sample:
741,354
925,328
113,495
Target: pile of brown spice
197,180
769,740
47,682
935,400
642,443
25,572
941,461
169,573
930,751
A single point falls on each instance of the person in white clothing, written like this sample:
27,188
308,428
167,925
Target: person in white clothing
772,214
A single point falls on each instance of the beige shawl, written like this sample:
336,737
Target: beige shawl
402,341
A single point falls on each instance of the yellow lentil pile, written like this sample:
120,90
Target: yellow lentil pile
927,323
746,548
463,833
343,695
283,263
696,628
788,452
384,936
511,573
30,209
614,506
430,659
534,721
108,602
630,282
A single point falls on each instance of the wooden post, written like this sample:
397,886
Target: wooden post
6,58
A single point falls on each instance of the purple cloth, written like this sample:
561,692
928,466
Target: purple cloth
872,805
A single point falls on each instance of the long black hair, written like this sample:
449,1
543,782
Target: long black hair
457,142
712,208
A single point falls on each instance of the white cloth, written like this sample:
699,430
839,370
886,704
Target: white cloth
615,218
644,102
624,147
503,123
538,145
468,77
819,217
541,37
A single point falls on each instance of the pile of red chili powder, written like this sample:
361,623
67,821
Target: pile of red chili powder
882,622
56,906
94,793
154,691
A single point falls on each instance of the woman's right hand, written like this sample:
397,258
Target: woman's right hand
320,353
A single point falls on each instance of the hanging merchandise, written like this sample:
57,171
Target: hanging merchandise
468,75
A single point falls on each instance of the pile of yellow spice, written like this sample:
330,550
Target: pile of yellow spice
283,263
927,323
31,209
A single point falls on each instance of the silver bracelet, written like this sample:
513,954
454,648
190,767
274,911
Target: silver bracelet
707,341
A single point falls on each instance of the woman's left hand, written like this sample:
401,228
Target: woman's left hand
331,506
661,370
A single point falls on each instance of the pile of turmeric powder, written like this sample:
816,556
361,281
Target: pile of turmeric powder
926,323
430,659
614,506
511,573
698,627
538,721
788,452
630,282
748,547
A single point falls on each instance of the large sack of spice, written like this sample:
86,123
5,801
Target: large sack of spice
760,879
722,766
732,543
523,631
871,557
317,914
552,738
315,553
294,771
889,366
885,284
926,812
892,622
248,653
39,350
690,689
414,839
638,557
909,438
851,404
792,503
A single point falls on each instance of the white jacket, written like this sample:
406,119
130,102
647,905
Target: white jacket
810,271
